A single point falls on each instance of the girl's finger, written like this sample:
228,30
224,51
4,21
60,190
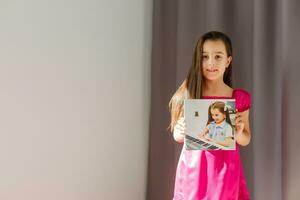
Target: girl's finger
178,126
240,121
181,119
236,120
181,123
182,129
181,126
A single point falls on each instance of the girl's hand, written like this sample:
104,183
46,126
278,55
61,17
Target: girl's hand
239,122
201,134
180,126
179,130
242,127
208,138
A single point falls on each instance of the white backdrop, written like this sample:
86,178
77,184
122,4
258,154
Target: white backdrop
75,99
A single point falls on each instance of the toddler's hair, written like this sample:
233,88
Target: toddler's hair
221,107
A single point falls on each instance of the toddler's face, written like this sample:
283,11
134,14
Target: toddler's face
217,116
214,60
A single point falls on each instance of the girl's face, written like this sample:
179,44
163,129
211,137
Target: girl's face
217,116
214,60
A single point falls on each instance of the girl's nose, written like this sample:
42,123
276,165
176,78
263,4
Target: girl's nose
211,62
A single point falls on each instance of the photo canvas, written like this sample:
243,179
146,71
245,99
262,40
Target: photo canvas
210,124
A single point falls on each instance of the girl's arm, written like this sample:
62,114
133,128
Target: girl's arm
226,143
203,133
243,133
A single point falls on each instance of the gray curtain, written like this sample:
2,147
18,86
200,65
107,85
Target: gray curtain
265,37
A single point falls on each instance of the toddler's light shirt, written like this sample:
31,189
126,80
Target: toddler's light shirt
220,131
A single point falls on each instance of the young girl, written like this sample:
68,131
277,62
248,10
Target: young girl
218,128
210,174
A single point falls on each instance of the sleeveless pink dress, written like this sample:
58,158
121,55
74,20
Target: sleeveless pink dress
213,174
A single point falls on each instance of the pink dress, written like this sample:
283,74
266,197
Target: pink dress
213,175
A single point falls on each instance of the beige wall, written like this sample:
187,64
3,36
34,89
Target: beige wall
74,96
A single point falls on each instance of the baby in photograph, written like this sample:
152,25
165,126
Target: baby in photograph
218,128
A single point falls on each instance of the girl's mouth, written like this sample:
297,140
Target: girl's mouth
211,70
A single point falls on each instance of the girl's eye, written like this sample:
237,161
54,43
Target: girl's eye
218,57
205,57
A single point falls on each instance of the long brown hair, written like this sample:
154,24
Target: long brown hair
191,86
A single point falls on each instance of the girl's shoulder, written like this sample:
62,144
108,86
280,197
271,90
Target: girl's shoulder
242,98
240,92
210,124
